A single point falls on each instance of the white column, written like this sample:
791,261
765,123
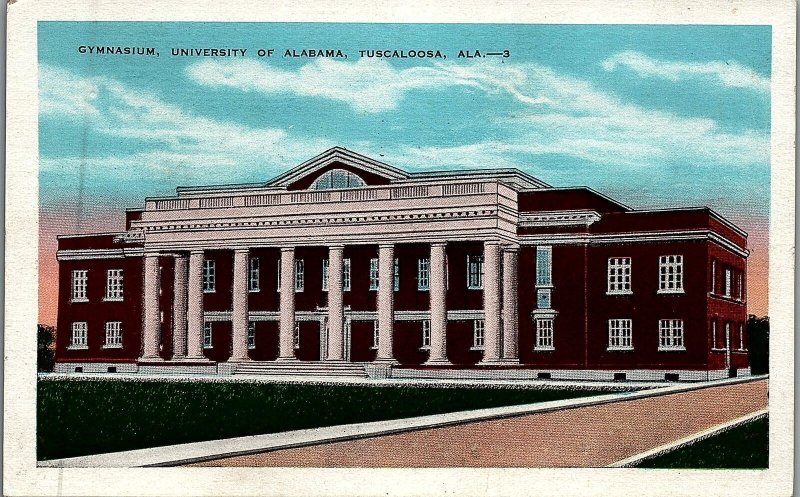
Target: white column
385,302
491,301
152,313
438,300
239,305
194,313
179,302
287,322
510,303
335,303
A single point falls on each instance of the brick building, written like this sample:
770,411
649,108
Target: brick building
346,265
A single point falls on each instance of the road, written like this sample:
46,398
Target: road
591,436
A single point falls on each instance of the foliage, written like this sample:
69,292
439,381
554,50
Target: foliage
758,343
743,447
45,354
89,417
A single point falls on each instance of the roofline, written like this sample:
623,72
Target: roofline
601,195
86,235
716,215
300,169
488,171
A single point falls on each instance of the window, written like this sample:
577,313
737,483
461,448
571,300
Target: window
670,334
619,276
296,336
251,335
254,275
279,274
543,298
113,335
80,279
396,275
478,329
78,335
620,334
114,284
299,275
728,282
375,334
544,334
373,274
713,276
423,274
207,335
337,178
326,264
741,336
346,279
474,272
714,341
739,286
670,274
426,334
209,276
544,266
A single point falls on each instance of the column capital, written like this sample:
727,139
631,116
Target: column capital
337,246
240,250
287,249
386,245
493,242
197,252
439,243
152,254
511,248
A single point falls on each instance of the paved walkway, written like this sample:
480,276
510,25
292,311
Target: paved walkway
596,435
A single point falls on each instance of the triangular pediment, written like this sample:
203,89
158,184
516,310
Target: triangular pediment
373,172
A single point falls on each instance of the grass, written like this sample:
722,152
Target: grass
743,447
76,418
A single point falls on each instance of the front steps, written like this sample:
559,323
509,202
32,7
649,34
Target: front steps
301,368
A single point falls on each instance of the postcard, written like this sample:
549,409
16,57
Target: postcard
399,249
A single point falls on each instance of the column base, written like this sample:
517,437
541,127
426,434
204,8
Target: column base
287,359
193,359
239,359
385,360
437,362
149,359
499,362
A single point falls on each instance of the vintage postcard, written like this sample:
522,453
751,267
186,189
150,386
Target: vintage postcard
400,249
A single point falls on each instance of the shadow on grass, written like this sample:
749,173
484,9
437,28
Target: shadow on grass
76,418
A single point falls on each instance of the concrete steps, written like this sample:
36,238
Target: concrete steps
302,368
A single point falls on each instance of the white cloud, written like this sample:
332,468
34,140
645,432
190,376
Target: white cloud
730,74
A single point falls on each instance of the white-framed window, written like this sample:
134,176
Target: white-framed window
670,334
397,275
299,275
739,286
296,336
544,265
728,283
741,336
376,334
326,266
478,334
79,334
373,273
278,278
113,335
347,278
619,276
670,274
620,334
544,334
426,334
114,284
423,274
337,178
544,298
80,280
209,276
714,338
251,335
713,276
475,272
254,275
207,343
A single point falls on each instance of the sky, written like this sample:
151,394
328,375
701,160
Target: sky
654,116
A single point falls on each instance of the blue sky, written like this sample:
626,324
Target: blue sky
656,116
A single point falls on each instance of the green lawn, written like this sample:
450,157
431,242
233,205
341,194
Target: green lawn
744,447
78,418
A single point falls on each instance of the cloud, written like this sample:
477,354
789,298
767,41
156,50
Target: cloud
729,74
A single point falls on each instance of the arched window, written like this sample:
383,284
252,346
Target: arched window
337,178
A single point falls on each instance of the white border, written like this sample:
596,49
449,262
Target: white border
21,477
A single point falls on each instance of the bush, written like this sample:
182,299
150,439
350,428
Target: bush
45,357
758,344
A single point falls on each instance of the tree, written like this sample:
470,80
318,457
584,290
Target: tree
758,343
45,353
